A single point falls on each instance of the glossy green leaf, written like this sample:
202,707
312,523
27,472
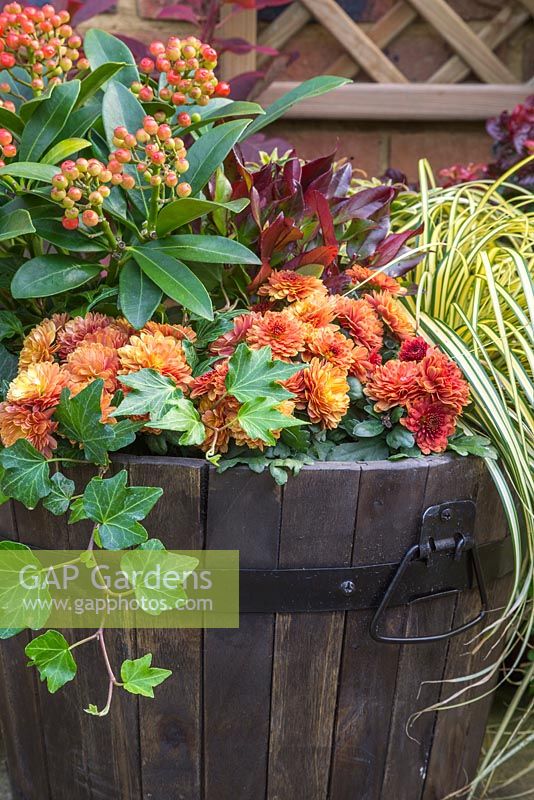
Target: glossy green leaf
174,279
155,597
207,249
23,604
48,121
139,677
253,374
11,121
82,120
210,150
64,149
399,437
370,427
18,223
260,417
97,79
51,655
51,274
138,295
30,170
27,473
372,449
9,365
184,210
79,421
102,48
10,325
310,88
182,416
51,230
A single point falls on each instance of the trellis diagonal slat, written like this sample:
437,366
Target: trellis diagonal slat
384,31
289,23
462,39
503,24
529,4
355,41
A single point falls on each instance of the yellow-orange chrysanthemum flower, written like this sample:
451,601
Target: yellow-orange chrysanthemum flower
39,344
20,421
325,391
392,313
362,366
331,345
112,336
227,342
179,332
215,417
212,383
91,361
291,286
280,331
361,321
393,383
164,354
39,384
317,310
374,279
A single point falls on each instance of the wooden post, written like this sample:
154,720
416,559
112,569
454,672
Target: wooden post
239,25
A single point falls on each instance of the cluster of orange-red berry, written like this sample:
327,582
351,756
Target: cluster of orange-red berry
40,40
8,148
157,155
187,66
81,188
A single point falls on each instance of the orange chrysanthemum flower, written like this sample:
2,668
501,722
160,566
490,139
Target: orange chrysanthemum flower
442,380
280,331
374,279
227,342
393,384
317,310
331,345
291,286
431,423
164,354
215,419
90,361
76,330
39,344
325,391
21,421
179,332
212,383
112,336
362,364
392,313
361,322
39,384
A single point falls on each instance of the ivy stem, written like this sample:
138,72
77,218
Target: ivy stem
84,641
111,674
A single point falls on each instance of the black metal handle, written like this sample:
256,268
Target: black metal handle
459,545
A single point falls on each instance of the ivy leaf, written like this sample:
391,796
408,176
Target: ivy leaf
472,445
139,677
117,509
79,420
22,605
260,417
253,374
182,416
124,433
162,595
298,439
27,475
51,655
77,511
150,392
59,498
399,437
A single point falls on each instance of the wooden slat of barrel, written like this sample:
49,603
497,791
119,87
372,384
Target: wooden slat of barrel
22,734
60,713
459,732
318,516
388,521
447,480
171,724
244,512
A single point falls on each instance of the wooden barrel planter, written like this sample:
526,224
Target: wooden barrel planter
300,702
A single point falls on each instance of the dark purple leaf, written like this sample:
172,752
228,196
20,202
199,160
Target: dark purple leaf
364,204
243,85
179,12
91,9
340,182
139,50
241,46
391,247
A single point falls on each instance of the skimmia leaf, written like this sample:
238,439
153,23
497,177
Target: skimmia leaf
180,212
48,275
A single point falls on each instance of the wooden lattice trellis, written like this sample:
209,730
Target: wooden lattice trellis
391,95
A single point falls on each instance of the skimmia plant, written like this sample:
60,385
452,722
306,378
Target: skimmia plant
157,291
